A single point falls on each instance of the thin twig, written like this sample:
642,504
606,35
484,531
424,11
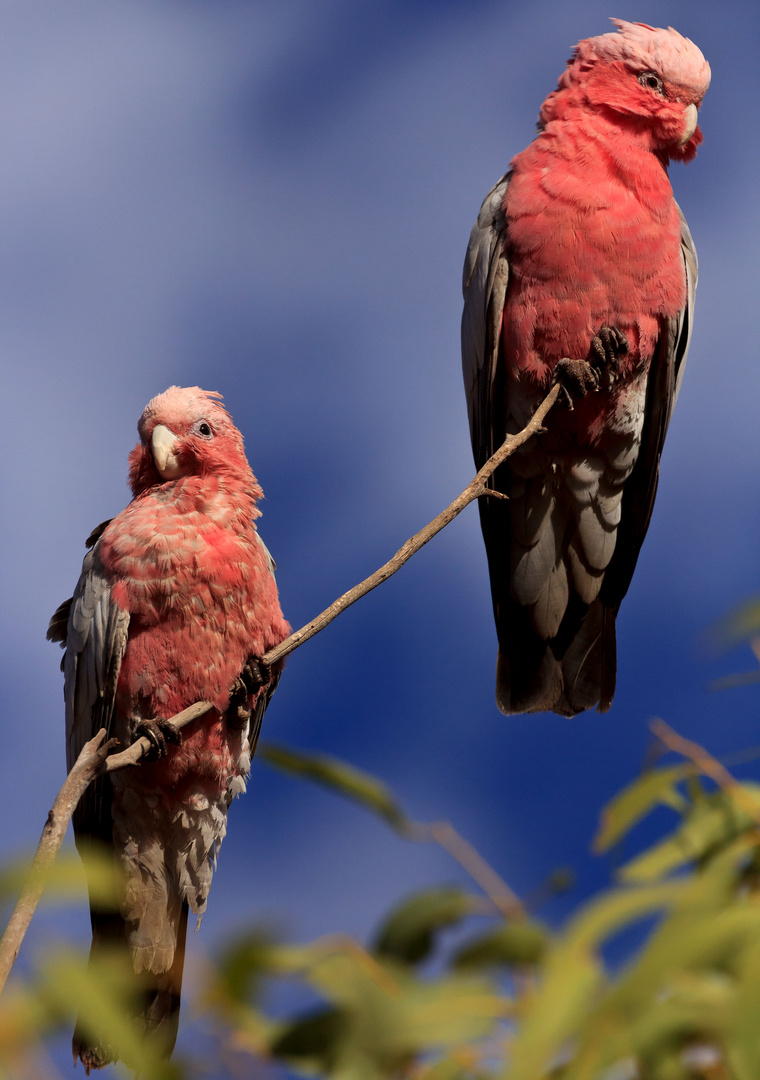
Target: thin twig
731,682
342,943
706,764
474,490
472,862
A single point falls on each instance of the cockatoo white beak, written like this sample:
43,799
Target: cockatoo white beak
690,124
163,446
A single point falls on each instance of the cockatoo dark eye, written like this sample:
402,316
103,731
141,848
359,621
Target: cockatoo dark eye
652,82
205,429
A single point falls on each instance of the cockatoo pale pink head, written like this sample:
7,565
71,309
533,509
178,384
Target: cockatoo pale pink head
186,431
652,80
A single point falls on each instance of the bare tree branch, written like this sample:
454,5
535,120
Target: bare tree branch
95,758
706,764
472,862
88,765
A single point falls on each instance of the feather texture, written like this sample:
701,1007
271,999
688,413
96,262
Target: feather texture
582,232
176,593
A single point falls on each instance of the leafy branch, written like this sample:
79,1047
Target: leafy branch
514,1000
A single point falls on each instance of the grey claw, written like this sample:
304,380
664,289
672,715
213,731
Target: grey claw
254,675
604,354
158,732
577,379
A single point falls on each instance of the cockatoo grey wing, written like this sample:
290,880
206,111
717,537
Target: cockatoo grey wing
484,287
684,321
265,696
95,639
663,384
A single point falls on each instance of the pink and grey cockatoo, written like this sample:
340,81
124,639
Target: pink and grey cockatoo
581,269
176,601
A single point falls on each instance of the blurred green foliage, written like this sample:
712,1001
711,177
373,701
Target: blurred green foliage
510,999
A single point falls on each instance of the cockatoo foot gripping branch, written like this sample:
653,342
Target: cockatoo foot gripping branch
578,378
256,674
582,232
607,347
158,731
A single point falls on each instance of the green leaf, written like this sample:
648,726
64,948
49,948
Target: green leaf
741,623
679,984
64,880
350,977
24,1019
627,808
380,1016
712,823
560,881
244,963
344,779
408,933
395,1011
619,908
515,943
105,995
573,976
743,1046
315,1037
450,1011
447,1068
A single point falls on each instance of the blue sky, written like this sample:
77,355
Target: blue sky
273,200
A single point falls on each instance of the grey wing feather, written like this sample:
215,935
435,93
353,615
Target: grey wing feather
59,623
663,384
96,639
684,321
258,712
263,701
484,287
271,564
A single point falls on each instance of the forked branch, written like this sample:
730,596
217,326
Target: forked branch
96,759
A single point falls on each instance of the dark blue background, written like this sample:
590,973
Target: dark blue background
272,200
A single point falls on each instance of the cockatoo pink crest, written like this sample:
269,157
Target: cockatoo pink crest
581,269
176,601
